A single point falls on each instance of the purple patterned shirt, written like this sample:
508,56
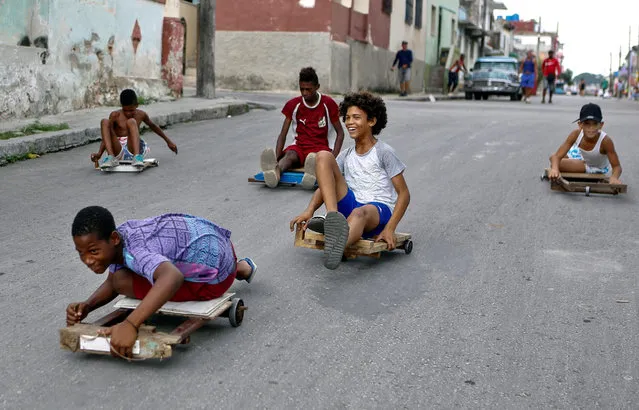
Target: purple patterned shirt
201,250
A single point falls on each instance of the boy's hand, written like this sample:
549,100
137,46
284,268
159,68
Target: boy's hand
95,156
388,236
553,174
301,219
172,146
123,337
76,312
615,181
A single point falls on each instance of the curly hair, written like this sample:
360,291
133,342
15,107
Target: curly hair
93,219
308,75
372,105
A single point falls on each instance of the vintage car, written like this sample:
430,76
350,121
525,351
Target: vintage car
493,76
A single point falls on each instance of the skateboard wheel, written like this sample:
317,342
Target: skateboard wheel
236,313
588,191
408,247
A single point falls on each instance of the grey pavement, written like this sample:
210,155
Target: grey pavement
515,296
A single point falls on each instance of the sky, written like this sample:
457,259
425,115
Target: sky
589,33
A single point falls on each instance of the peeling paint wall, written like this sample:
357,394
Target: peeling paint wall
86,52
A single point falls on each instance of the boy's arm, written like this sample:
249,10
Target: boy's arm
153,126
609,147
339,138
168,280
403,199
103,295
316,202
396,60
281,139
563,149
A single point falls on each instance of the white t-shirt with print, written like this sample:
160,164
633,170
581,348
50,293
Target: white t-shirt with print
369,175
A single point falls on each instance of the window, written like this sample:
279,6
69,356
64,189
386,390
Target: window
418,13
409,12
453,31
387,6
433,21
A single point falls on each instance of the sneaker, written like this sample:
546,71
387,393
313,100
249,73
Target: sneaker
253,268
109,162
309,179
138,161
543,101
268,162
335,237
316,224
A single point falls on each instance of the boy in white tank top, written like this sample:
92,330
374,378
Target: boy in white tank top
363,189
587,149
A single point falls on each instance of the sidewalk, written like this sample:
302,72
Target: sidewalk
84,125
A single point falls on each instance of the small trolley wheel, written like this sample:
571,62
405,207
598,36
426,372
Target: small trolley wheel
408,247
236,312
588,190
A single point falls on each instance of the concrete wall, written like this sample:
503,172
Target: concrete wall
95,47
275,59
23,19
188,12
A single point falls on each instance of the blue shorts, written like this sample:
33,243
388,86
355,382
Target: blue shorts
347,204
528,80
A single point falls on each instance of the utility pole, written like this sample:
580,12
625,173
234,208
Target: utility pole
538,36
206,50
629,60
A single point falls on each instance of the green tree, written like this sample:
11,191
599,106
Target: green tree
567,76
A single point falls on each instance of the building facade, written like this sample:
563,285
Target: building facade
61,55
350,43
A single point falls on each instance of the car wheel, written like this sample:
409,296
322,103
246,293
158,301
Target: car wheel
469,96
484,96
478,96
513,97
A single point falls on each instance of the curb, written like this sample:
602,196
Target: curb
15,149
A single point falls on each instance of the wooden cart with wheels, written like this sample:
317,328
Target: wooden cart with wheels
587,183
125,166
363,247
151,344
292,177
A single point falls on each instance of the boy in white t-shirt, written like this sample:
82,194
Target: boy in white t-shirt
363,189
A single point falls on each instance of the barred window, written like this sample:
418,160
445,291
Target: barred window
418,13
409,12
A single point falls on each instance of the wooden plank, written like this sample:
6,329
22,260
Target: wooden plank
208,309
111,318
579,176
189,326
153,345
594,188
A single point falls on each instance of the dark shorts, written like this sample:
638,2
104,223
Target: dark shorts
189,291
453,78
302,152
347,204
549,82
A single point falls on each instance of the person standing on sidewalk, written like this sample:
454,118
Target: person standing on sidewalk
453,73
528,70
551,69
403,59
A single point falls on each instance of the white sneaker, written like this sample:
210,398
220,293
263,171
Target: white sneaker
309,179
268,163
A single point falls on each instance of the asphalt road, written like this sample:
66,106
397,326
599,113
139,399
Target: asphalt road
512,298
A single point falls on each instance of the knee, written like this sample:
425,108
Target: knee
358,213
324,156
131,122
104,122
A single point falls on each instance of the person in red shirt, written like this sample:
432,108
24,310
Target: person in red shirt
310,115
551,70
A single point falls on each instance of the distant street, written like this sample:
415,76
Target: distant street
515,296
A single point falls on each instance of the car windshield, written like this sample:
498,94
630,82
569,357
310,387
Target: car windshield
495,65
